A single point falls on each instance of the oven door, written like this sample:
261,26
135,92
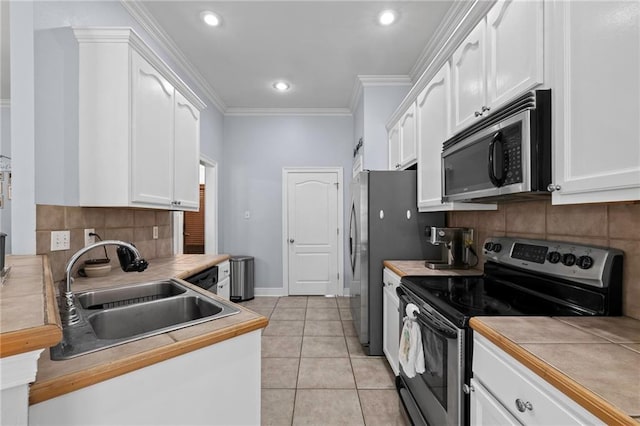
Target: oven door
492,162
437,393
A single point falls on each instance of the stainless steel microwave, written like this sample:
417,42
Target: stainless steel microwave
506,155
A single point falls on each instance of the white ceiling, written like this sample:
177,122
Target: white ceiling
320,47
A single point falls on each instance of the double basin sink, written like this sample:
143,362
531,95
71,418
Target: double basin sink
118,315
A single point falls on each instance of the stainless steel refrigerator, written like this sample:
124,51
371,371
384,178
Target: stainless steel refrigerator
384,225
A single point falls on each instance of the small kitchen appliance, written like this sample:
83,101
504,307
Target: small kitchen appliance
521,277
455,244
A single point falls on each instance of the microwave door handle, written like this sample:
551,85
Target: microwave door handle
497,140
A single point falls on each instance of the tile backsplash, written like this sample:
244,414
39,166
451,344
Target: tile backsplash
130,225
610,225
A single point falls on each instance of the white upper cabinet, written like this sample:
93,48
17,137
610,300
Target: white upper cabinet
515,55
394,147
152,101
139,126
408,137
469,87
501,58
596,101
402,141
432,113
186,191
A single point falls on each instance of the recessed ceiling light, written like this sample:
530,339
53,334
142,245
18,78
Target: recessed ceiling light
387,17
210,18
281,86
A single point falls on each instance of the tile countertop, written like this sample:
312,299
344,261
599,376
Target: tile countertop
29,318
593,360
416,267
55,378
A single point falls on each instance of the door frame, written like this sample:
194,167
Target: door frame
210,205
285,222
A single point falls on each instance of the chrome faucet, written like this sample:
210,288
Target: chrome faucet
130,260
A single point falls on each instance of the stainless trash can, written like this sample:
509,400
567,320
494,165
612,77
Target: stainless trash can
242,278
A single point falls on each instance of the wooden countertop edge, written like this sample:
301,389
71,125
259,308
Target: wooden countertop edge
202,267
592,402
390,265
41,337
42,391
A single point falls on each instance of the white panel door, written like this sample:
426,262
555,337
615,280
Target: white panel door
515,49
152,135
394,147
312,215
469,79
186,154
408,137
486,410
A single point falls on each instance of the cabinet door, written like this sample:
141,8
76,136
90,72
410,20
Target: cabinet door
391,319
408,137
486,410
514,49
394,147
151,135
596,101
468,79
186,154
432,110
224,288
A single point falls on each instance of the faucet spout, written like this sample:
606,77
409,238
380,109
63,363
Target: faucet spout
68,312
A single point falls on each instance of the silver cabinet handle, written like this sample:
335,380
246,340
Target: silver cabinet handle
553,187
291,240
477,113
468,389
485,108
523,406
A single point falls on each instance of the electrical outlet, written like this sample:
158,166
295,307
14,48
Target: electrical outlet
89,239
60,240
155,232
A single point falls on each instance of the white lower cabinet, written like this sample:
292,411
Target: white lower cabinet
390,318
224,280
510,393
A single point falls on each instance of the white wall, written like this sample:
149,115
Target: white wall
5,149
379,103
255,151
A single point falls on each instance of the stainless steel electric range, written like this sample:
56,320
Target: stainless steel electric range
521,277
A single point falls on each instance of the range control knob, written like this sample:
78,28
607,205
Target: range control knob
488,246
554,257
569,259
584,262
497,247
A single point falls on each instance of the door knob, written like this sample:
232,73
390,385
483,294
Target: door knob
291,240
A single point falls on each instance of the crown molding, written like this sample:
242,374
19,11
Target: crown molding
5,103
326,112
363,81
140,13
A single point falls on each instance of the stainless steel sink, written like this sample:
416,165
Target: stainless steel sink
118,315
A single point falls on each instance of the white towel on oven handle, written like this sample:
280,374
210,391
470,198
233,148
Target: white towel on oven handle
411,354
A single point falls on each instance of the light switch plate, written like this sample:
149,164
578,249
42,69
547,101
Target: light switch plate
60,240
155,232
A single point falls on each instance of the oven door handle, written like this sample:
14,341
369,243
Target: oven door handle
424,320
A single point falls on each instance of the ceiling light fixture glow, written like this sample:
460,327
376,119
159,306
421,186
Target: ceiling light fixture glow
210,18
281,86
387,17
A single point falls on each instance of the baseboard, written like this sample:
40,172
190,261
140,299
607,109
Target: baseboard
279,292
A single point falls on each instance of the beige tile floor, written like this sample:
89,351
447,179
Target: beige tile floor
314,371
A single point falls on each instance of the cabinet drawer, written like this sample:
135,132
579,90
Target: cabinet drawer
514,384
224,270
390,279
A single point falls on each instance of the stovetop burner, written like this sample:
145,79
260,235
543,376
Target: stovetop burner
519,280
